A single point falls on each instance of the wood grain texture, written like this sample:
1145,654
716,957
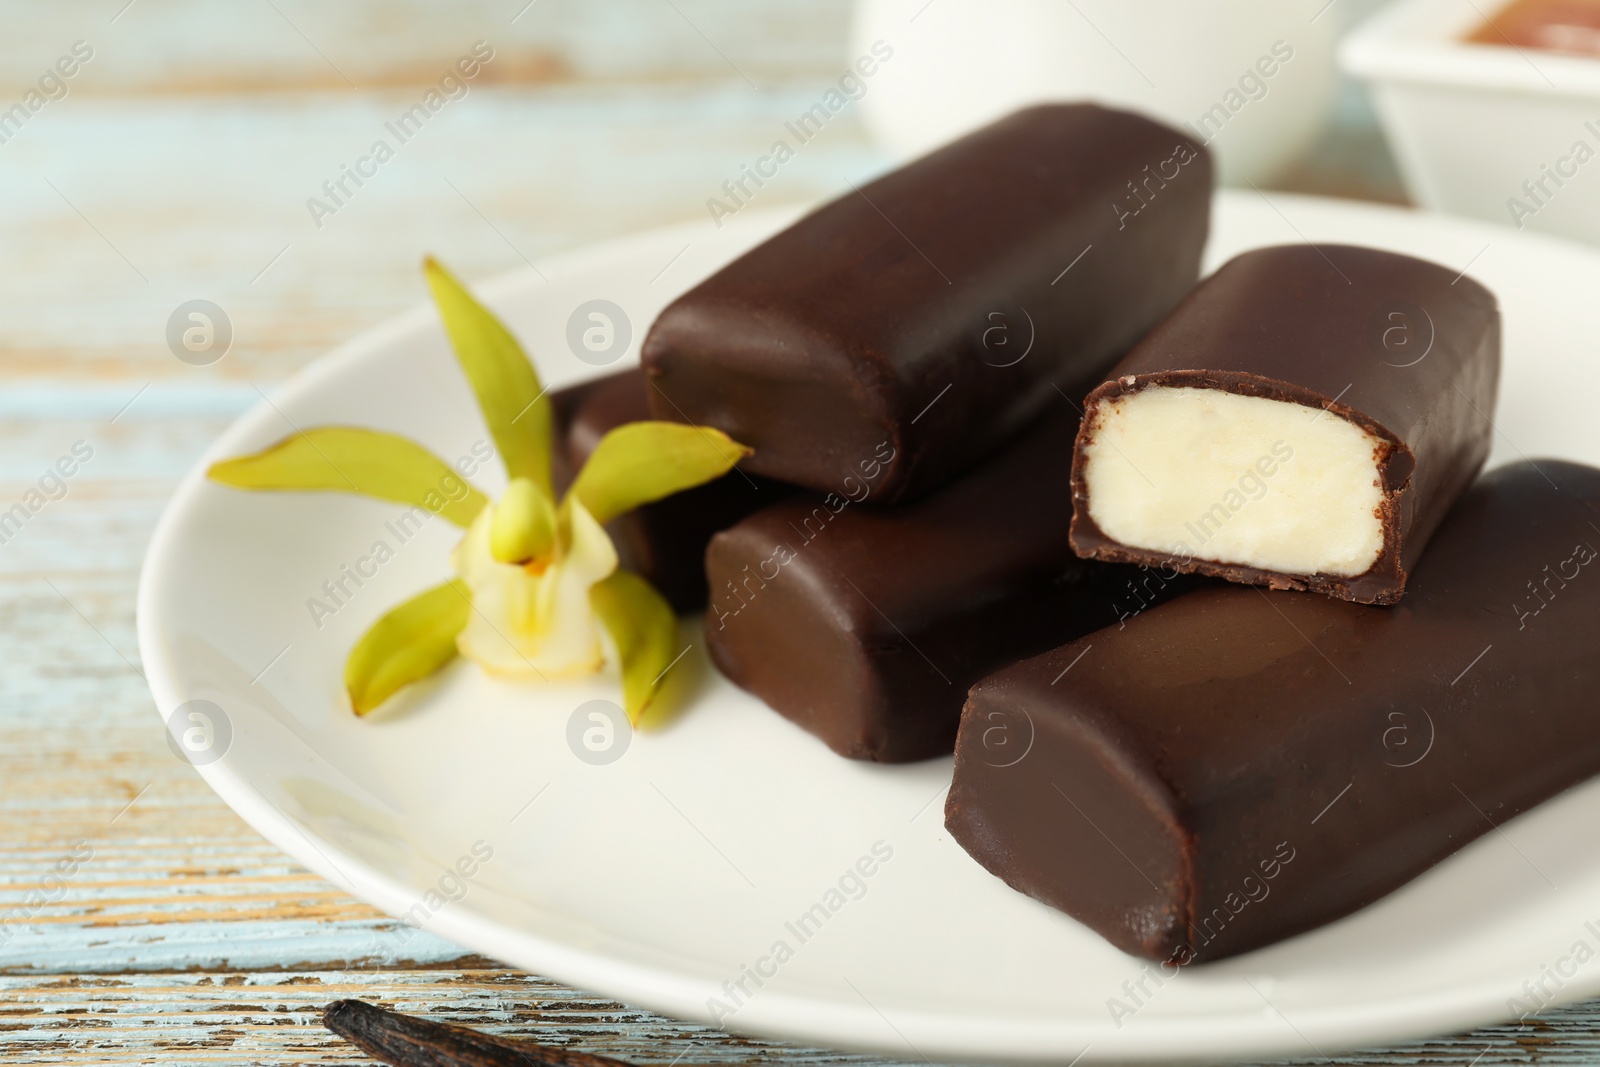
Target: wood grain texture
272,1018
194,46
147,203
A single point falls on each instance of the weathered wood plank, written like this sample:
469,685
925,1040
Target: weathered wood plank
211,200
190,46
272,1018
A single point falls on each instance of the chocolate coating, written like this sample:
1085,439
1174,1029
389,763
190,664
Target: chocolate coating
665,542
1312,325
933,311
1237,766
866,625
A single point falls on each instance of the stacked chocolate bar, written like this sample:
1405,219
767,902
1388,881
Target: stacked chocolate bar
913,355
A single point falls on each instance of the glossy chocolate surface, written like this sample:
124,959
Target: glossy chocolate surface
865,625
1406,349
1238,766
933,313
665,542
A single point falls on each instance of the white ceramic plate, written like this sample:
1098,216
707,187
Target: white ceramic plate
660,877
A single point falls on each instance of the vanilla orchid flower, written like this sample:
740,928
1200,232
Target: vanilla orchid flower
537,578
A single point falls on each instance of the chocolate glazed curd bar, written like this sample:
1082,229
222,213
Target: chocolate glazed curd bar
665,542
866,625
1303,420
934,310
1237,766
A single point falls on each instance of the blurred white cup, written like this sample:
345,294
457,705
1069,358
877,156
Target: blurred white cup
1254,79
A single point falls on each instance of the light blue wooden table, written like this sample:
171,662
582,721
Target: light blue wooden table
140,920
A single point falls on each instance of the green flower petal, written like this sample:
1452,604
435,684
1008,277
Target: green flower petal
645,631
408,644
639,462
350,460
514,404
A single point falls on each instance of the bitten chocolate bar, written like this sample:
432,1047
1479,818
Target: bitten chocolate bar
1237,766
935,311
665,542
1303,420
866,625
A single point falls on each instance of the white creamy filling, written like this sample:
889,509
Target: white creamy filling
1237,479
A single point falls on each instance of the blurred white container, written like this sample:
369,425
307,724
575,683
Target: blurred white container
959,64
1480,129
